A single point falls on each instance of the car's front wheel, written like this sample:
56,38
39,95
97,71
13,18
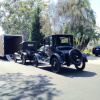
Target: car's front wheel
14,57
23,60
55,65
35,61
81,66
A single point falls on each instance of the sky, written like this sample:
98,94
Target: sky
95,4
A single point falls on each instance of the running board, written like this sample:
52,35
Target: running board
9,58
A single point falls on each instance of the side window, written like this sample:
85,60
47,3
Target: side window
47,41
50,41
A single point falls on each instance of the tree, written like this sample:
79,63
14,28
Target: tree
48,18
46,25
16,15
35,27
76,17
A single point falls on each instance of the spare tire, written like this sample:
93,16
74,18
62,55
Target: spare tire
75,56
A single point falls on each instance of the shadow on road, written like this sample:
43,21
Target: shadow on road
16,86
70,72
3,58
65,71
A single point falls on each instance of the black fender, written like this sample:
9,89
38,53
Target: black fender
84,57
16,55
39,59
55,55
24,54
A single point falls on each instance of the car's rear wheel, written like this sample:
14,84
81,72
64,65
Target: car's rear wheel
35,61
96,54
23,60
55,65
81,66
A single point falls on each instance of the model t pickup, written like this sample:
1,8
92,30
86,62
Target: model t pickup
59,50
27,51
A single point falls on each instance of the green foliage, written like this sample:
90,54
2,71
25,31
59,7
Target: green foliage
48,20
66,17
76,17
88,51
16,16
35,27
64,30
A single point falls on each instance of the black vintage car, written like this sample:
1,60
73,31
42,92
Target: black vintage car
26,52
96,50
59,50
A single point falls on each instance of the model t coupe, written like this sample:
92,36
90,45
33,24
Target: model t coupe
59,50
27,50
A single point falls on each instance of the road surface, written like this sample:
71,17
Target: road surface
25,82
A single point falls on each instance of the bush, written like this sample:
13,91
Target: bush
88,51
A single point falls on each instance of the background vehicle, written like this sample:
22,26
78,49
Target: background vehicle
59,50
41,48
26,52
96,50
9,44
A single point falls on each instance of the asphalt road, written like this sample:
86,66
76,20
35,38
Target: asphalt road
25,82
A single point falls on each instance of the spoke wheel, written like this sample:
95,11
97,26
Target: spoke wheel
81,66
35,61
55,65
23,60
15,59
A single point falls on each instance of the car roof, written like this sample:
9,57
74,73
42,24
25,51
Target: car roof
58,35
27,42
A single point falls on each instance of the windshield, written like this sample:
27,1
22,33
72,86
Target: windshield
31,46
